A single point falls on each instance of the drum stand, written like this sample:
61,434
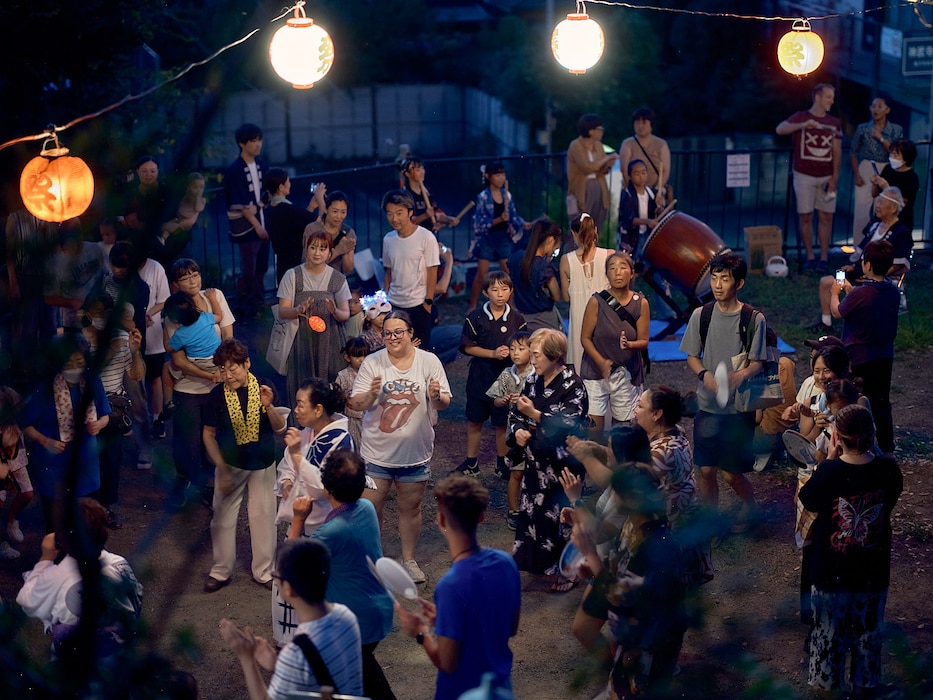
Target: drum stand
681,315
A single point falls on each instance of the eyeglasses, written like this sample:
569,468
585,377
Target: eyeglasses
191,276
395,334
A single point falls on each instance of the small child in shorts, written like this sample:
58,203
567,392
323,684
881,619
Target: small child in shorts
505,392
354,352
15,487
196,335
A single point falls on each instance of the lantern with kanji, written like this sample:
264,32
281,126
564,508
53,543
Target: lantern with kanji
800,51
301,52
56,186
578,42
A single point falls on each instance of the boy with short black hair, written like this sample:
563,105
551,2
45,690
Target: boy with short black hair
239,422
329,629
722,435
486,333
504,393
243,190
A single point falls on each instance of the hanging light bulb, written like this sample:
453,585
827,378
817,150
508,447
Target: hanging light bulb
578,42
301,52
55,186
800,51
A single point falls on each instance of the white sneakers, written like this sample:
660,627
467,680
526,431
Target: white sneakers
417,575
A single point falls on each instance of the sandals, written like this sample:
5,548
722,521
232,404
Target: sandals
562,585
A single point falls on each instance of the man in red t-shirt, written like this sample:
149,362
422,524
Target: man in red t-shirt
817,154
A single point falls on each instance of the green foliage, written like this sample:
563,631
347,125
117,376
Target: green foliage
791,305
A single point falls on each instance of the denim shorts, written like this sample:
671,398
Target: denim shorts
404,475
495,245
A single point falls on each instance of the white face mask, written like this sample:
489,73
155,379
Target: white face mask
72,376
99,323
895,163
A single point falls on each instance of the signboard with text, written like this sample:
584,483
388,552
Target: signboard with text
917,56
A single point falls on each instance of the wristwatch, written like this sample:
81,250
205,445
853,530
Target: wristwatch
429,302
419,638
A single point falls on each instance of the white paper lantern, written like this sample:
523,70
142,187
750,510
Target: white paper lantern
800,51
578,42
301,52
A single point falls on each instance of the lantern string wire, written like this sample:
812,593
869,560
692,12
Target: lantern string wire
734,15
52,130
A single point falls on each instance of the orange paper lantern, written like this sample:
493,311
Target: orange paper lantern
55,186
316,324
800,51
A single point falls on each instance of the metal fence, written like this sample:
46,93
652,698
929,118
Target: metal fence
538,185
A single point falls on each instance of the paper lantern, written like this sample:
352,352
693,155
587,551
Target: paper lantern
316,324
55,186
301,52
578,42
800,51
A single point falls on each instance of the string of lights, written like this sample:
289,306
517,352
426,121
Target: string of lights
735,15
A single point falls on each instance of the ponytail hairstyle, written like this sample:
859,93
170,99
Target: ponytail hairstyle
855,427
543,229
587,235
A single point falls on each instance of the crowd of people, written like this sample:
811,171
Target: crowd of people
144,343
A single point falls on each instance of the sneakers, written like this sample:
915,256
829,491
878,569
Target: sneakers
7,552
114,521
468,467
819,329
809,265
822,267
167,410
14,533
502,471
512,519
158,429
761,462
417,575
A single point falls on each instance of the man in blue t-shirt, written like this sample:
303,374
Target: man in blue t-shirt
477,602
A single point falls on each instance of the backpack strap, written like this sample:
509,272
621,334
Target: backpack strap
313,657
746,327
706,315
617,307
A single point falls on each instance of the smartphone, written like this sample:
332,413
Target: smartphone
840,277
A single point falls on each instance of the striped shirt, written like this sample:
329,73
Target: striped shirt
337,638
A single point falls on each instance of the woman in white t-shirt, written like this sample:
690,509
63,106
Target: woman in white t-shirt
397,387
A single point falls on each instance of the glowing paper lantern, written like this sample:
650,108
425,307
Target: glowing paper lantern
301,52
578,42
55,186
316,324
800,51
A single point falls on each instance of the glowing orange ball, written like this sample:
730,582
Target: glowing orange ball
56,187
578,42
316,324
301,52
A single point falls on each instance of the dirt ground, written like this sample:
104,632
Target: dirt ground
750,643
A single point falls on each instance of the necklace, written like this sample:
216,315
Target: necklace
469,550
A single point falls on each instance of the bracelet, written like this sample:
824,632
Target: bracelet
701,374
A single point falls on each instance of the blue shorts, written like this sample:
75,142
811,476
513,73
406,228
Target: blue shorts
496,245
404,475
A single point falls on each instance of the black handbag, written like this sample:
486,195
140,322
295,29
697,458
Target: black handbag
120,411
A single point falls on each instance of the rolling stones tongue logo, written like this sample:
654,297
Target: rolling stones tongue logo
401,399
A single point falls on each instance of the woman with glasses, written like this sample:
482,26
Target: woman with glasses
195,380
400,388
318,296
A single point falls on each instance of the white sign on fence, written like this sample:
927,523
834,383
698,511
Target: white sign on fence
738,170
